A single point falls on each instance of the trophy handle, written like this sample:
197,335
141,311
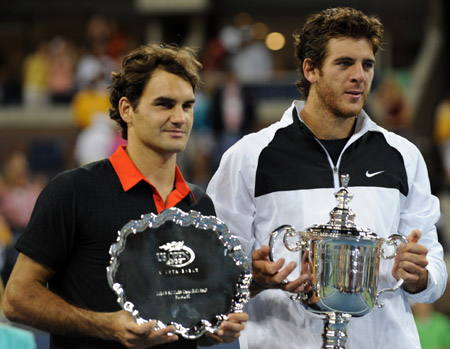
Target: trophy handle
393,240
393,289
289,232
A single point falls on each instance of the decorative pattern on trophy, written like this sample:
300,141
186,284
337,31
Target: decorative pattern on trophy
343,263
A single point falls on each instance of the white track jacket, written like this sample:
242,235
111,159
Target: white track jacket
283,175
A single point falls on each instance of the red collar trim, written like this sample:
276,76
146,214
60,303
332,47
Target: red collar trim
129,175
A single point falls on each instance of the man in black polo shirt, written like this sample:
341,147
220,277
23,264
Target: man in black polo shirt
76,218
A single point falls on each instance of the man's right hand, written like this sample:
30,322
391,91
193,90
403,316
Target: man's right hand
268,274
132,335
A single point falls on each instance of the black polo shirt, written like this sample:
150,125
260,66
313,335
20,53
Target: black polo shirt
76,219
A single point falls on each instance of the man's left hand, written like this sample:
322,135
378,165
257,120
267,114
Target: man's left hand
410,264
229,330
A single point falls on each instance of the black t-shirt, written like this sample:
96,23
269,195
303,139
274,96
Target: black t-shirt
74,222
334,147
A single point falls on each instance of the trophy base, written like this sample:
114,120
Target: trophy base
335,330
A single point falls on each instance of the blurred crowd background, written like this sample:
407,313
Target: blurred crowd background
56,59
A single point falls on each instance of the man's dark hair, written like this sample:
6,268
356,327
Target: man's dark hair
311,42
137,69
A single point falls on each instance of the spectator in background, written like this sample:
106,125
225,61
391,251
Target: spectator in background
98,137
433,327
95,65
93,74
390,107
11,76
247,57
61,71
214,55
3,75
441,138
232,113
35,75
97,141
393,112
252,62
5,240
120,42
196,161
18,194
442,135
87,103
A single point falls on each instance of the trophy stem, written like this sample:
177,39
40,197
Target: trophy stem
335,330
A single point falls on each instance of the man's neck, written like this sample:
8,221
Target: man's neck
324,125
156,168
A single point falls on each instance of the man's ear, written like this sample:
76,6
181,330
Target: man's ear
126,109
309,70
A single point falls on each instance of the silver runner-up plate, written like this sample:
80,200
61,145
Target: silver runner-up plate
180,269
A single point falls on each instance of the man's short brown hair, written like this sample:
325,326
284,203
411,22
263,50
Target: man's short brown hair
137,69
311,42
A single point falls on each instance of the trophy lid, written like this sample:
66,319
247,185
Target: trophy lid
342,214
342,218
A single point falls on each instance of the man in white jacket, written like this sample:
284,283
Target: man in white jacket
288,173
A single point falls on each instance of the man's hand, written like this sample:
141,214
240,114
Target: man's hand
231,329
132,335
267,274
137,336
228,332
410,264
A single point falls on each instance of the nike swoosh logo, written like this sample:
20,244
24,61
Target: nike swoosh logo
368,175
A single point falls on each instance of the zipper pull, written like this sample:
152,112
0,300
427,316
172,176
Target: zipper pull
336,178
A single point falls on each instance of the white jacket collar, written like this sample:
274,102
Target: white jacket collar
363,123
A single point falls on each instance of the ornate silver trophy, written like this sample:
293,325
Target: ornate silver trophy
181,269
343,262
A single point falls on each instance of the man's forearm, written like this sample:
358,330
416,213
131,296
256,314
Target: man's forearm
39,307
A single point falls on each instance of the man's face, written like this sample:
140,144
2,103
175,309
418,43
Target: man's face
343,83
163,119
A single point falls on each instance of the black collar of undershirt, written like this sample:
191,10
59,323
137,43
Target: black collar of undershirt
333,146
